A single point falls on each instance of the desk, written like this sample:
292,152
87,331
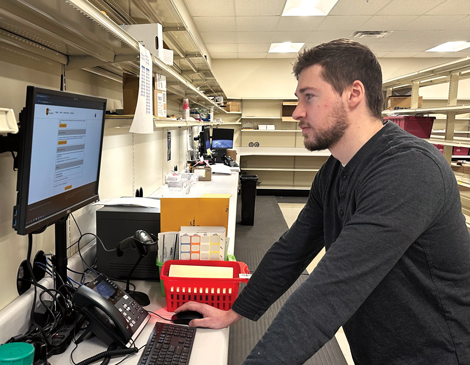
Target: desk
210,346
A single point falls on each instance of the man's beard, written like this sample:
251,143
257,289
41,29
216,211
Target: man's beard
328,138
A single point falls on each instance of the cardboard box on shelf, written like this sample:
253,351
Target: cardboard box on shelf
204,173
402,102
151,37
130,93
159,96
233,106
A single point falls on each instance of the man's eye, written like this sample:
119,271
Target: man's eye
308,96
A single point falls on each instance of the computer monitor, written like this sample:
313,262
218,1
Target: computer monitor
204,141
61,137
222,138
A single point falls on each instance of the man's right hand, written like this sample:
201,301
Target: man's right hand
213,317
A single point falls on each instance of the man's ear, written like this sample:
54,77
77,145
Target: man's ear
355,94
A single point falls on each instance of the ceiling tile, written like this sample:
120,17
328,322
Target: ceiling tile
326,36
407,7
259,7
255,37
387,22
226,55
463,24
451,7
256,47
252,55
292,56
210,8
404,36
402,54
262,23
432,22
299,22
223,47
296,37
244,28
215,24
362,7
218,37
343,22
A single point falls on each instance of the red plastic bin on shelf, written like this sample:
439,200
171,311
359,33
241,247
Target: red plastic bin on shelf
219,293
418,126
460,151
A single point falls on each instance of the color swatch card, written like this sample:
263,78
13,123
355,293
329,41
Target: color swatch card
202,243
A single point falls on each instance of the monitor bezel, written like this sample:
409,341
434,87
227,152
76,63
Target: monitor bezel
25,156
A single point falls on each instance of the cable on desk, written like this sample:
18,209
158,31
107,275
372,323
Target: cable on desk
110,354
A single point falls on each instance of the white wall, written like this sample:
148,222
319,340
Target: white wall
273,78
128,161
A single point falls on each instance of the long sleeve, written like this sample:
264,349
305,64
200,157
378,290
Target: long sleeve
283,263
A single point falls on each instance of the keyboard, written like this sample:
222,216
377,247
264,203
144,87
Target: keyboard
168,344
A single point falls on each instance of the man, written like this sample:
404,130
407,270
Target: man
386,206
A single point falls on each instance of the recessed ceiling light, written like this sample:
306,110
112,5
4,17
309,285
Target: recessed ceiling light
286,47
308,7
450,47
370,34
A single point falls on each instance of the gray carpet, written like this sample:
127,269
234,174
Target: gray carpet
251,242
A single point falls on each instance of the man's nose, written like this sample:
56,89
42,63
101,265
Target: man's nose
299,112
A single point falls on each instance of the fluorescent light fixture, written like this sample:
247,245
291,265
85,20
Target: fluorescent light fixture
286,47
308,7
450,47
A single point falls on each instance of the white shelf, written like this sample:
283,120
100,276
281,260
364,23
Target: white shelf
270,131
276,169
279,151
462,179
278,118
450,142
430,76
458,109
161,123
79,36
283,187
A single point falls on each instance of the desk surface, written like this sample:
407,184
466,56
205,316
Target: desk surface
210,346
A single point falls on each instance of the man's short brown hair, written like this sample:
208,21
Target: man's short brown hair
345,61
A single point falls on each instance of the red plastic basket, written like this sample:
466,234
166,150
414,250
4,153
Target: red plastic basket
416,125
219,293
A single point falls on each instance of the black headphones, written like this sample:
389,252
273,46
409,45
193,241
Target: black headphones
143,241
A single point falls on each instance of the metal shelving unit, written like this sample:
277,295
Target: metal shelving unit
87,35
449,73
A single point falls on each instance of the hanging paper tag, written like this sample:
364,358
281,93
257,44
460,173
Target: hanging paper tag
143,117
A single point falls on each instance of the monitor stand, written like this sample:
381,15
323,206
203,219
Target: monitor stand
61,250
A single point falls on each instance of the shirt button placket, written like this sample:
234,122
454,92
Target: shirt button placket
342,195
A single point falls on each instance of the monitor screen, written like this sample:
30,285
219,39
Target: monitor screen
222,138
61,138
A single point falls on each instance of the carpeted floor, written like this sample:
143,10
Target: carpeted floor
251,242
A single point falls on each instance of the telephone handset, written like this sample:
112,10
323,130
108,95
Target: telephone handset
113,316
228,161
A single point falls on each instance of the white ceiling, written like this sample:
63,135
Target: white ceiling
246,28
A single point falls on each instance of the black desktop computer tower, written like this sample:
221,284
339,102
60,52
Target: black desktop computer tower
113,224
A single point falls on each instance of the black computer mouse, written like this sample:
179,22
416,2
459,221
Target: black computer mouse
185,317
